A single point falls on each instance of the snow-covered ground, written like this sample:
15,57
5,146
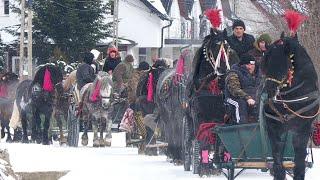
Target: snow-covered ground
112,163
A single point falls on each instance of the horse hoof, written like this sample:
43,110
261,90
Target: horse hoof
9,140
107,142
84,140
45,142
96,143
102,143
2,134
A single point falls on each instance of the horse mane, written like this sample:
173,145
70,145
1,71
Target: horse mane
104,78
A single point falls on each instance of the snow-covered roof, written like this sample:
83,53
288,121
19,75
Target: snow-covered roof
156,7
123,41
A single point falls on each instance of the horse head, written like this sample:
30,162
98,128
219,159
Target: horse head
278,64
102,89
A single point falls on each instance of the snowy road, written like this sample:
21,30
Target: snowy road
112,163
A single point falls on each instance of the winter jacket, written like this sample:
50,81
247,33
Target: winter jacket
240,86
243,46
111,64
121,74
85,74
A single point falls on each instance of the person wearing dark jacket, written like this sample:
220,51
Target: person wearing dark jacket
85,72
261,46
112,60
240,41
241,86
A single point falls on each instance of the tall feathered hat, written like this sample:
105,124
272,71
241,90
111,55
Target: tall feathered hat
214,17
294,20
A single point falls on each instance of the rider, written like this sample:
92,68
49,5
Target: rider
112,60
240,41
240,90
122,74
85,72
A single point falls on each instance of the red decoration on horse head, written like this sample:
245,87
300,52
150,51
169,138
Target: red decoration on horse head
294,20
316,134
47,82
214,17
96,92
179,70
150,88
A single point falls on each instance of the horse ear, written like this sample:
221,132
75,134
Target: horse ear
225,33
282,35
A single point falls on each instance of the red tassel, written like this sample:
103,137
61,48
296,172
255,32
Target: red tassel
214,17
179,70
94,96
294,19
47,82
214,87
150,88
316,134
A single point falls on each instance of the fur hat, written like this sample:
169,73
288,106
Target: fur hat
247,59
112,49
88,57
129,58
237,23
264,37
143,66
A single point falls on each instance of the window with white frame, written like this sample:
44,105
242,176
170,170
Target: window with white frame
142,54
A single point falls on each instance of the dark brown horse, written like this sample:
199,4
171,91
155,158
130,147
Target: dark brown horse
293,101
8,84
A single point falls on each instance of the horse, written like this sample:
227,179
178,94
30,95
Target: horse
292,103
204,89
36,97
170,100
96,108
8,85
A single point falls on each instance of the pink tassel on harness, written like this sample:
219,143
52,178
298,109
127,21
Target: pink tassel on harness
150,88
96,92
47,82
179,70
3,90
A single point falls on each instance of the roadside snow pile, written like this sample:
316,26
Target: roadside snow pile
6,172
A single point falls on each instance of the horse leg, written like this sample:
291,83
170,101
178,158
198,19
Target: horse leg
95,129
62,139
108,136
24,123
9,139
300,141
46,125
274,133
84,137
102,127
36,123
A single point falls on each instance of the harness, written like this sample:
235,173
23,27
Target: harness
285,103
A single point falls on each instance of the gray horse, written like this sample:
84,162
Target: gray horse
96,108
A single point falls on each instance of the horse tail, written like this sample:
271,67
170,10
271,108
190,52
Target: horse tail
15,117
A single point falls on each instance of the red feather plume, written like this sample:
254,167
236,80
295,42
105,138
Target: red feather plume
294,19
214,17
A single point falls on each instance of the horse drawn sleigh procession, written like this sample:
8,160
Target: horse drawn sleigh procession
188,104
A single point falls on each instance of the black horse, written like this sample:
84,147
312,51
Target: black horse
292,89
39,97
205,87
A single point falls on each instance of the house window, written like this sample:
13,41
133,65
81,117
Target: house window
6,7
142,54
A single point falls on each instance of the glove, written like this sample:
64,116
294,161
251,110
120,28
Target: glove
251,102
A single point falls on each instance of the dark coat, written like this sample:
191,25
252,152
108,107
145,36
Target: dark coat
85,74
241,47
111,64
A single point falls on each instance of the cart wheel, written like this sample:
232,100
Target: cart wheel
186,144
73,126
231,174
196,157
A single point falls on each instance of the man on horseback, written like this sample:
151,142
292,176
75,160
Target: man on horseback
240,41
240,89
122,74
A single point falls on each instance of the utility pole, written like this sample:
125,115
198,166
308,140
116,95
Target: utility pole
115,22
21,55
30,16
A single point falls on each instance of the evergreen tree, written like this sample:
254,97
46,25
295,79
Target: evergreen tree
73,26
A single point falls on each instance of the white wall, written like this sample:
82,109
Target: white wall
174,31
196,11
138,24
7,20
